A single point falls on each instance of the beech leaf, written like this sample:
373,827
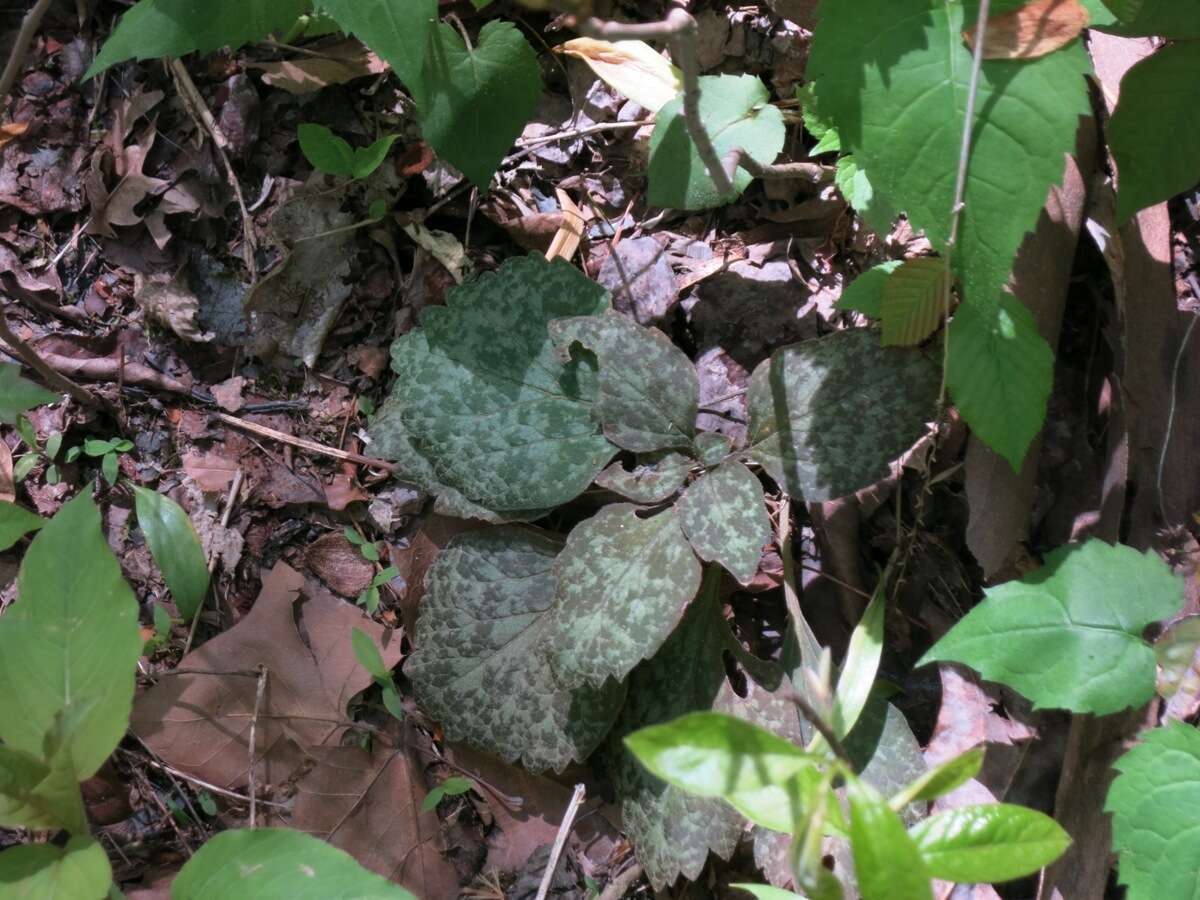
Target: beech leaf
914,299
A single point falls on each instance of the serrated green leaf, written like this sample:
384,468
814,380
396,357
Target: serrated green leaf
15,523
485,401
995,842
1159,96
262,863
656,477
940,780
1155,805
69,645
477,100
80,870
914,298
648,390
154,28
40,794
1069,636
886,860
326,151
827,417
865,293
398,30
18,395
1178,19
861,665
175,546
368,655
618,567
737,113
725,519
483,639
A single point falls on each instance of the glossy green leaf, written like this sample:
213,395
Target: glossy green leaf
69,645
941,779
861,664
618,567
914,298
1159,97
367,653
654,478
484,637
80,871
648,390
1155,806
397,30
175,547
269,863
828,417
1070,635
865,293
486,402
887,862
477,99
996,842
725,519
154,28
737,113
18,395
15,523
326,151
1159,18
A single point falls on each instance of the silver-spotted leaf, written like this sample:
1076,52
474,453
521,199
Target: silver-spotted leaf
486,401
827,417
481,666
725,519
648,390
655,477
623,583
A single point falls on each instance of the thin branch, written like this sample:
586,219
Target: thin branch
619,886
310,446
560,841
250,786
16,57
56,380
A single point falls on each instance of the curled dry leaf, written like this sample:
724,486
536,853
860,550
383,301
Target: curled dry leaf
632,68
1033,30
171,304
334,63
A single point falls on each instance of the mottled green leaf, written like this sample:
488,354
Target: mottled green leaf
17,395
477,99
1069,635
711,447
887,863
737,113
266,863
397,30
1155,805
996,842
865,293
618,567
486,402
655,477
914,298
175,547
1159,97
725,519
15,523
827,417
483,640
648,390
69,645
80,871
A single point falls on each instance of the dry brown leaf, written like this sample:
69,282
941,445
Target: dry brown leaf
337,63
8,488
342,491
228,393
1033,30
212,471
172,304
10,131
339,564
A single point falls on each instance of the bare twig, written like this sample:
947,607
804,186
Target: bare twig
16,57
617,888
192,779
560,840
52,377
310,446
250,787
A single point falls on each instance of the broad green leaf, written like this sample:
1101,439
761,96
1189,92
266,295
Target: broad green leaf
725,519
38,793
655,477
1159,97
483,639
893,78
326,151
1155,805
737,113
828,417
477,100
69,645
618,567
175,547
269,863
914,299
15,523
18,395
996,842
1069,635
80,871
1160,18
154,28
368,655
886,860
865,293
486,402
648,390
940,780
398,30
1175,651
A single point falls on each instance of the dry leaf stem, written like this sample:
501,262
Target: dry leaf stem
560,840
16,57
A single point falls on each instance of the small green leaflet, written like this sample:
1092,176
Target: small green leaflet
941,780
18,395
1155,805
995,842
15,523
725,519
865,293
277,862
1159,97
80,870
737,113
175,547
398,30
477,99
1069,636
333,155
451,787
